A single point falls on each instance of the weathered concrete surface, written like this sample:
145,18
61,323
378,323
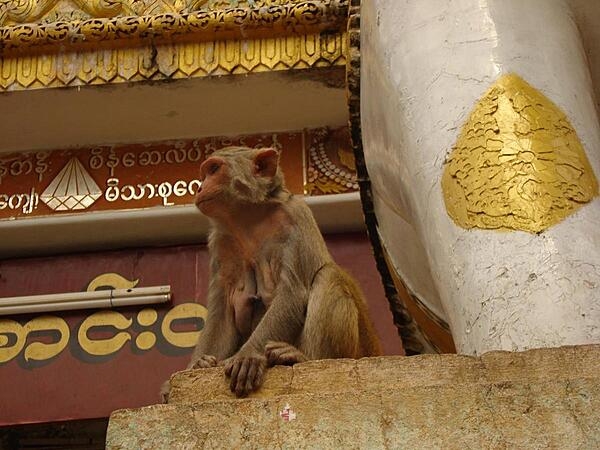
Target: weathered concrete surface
396,372
537,399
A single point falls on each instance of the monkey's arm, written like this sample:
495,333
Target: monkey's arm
219,338
283,321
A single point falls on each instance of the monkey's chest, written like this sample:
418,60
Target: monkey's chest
251,296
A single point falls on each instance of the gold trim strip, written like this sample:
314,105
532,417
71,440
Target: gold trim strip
293,17
172,61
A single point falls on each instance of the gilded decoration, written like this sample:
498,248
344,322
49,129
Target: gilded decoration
172,61
13,12
330,168
518,163
54,43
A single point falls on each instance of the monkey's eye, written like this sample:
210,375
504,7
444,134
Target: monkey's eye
213,168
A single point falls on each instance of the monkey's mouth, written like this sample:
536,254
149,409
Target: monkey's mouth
204,200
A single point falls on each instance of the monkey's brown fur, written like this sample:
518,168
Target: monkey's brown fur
275,294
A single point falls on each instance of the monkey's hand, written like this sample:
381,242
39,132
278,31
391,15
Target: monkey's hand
204,362
282,353
246,372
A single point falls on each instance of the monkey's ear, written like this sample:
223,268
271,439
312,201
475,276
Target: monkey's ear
265,162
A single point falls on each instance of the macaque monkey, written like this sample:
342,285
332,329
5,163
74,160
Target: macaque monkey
275,294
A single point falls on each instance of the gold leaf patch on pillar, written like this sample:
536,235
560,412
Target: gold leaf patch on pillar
518,163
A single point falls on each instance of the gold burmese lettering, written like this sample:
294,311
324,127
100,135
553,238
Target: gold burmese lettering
11,328
184,339
39,351
103,347
112,280
14,336
518,163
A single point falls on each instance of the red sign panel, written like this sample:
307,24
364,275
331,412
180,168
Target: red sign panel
162,174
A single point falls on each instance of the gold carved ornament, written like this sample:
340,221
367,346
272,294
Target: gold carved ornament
518,163
291,17
286,35
29,11
13,12
327,176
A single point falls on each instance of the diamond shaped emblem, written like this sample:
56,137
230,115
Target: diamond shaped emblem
72,189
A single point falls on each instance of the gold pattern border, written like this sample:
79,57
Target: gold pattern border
172,61
293,17
13,12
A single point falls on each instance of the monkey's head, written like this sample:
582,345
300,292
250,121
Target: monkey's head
235,177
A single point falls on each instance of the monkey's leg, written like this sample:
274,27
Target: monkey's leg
282,353
331,329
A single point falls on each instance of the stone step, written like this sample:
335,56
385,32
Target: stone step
395,372
536,399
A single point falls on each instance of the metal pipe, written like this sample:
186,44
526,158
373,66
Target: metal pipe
84,300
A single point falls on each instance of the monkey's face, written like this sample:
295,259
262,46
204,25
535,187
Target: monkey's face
214,174
236,178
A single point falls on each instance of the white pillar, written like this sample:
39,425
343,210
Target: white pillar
427,67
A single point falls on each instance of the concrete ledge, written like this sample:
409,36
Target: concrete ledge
396,372
536,399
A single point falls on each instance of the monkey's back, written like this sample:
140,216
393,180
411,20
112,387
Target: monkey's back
337,321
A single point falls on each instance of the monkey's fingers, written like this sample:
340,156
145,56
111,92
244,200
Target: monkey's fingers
272,349
238,383
246,374
228,363
232,372
282,353
204,362
286,358
255,376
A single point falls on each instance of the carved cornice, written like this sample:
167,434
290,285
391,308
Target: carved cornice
171,61
292,17
14,12
198,40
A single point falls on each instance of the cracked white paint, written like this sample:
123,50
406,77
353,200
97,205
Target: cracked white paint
425,63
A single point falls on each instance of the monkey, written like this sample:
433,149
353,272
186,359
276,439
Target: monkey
275,296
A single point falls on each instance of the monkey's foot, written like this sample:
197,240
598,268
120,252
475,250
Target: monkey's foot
246,373
204,362
283,354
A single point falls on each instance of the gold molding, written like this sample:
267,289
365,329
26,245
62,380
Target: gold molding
15,12
28,11
292,17
256,36
172,61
